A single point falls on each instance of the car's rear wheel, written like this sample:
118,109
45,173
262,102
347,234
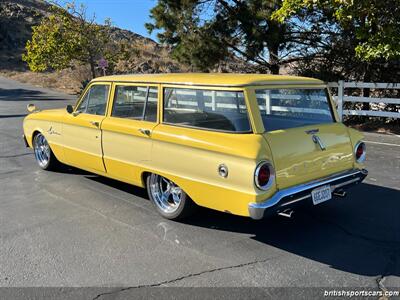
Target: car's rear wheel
43,154
168,198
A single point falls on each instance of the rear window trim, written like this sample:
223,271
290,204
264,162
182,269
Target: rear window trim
333,115
207,129
210,88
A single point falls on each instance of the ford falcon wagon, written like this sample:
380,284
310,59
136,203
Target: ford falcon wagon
249,145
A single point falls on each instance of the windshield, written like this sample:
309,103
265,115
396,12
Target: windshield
290,108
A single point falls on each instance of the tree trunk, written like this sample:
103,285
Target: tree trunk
92,66
274,68
366,91
93,69
273,59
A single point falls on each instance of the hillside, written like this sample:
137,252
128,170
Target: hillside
16,20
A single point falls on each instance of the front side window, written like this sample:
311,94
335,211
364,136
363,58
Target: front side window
135,102
208,109
95,100
84,102
290,108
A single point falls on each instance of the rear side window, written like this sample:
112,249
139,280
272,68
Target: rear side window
290,108
208,109
152,105
135,102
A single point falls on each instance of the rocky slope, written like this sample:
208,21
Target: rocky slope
16,20
146,56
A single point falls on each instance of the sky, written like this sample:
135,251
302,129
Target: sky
126,14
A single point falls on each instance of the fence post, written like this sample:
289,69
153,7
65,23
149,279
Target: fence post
340,99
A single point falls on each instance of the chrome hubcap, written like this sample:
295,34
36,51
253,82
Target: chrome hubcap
166,194
42,150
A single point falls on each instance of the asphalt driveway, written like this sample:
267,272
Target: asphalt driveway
72,228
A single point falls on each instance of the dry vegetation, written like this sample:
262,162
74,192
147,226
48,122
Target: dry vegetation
142,55
67,81
147,57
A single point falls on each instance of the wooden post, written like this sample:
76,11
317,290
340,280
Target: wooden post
340,99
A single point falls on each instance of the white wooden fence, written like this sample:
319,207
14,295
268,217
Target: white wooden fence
342,97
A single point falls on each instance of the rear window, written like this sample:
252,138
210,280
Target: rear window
207,109
290,108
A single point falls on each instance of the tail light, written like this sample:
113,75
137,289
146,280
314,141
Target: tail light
264,175
360,152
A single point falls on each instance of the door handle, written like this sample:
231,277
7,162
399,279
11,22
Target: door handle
145,131
94,123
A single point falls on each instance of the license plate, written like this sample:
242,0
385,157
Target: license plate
321,194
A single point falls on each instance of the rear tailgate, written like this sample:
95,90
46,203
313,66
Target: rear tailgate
298,158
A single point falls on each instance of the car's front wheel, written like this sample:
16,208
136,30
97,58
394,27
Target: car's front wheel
168,198
43,154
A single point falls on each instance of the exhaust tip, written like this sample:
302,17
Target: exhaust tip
340,193
286,213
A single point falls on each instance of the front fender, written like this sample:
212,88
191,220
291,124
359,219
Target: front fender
51,129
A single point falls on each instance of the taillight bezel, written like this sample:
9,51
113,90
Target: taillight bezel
362,158
271,179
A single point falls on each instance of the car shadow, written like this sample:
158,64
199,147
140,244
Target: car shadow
64,169
22,95
125,187
13,116
359,234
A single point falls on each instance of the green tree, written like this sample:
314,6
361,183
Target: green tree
66,36
362,41
203,33
376,23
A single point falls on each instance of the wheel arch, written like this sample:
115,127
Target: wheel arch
143,177
177,180
35,132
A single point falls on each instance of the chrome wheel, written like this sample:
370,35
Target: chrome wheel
166,194
42,151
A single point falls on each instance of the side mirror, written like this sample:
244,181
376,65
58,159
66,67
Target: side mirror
31,107
70,109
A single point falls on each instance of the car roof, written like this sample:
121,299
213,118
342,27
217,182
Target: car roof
214,79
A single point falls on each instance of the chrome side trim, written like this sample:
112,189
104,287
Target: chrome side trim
256,210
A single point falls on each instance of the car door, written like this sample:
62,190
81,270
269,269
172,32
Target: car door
127,131
81,129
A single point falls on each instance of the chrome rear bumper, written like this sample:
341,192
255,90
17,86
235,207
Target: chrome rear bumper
283,199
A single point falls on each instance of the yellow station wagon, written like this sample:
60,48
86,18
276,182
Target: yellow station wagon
249,145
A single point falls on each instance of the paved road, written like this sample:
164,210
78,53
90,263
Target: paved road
72,228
